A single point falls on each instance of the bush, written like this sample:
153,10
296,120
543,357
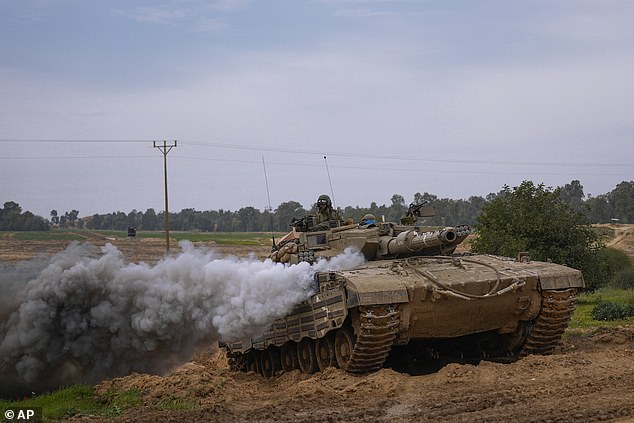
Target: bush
612,311
534,219
616,260
623,279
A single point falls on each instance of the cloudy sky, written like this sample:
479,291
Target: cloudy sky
454,98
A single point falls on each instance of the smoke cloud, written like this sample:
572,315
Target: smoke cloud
84,315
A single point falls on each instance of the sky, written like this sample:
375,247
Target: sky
284,100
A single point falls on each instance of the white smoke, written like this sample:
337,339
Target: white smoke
82,316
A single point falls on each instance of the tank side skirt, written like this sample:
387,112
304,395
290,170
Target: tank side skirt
314,319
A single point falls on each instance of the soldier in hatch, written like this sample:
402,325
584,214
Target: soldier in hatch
368,221
326,215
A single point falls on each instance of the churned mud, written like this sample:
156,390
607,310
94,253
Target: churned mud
590,379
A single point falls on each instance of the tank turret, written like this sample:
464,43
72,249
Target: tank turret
376,242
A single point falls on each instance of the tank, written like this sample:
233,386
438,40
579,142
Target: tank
415,299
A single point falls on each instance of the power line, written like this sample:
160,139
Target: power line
398,157
60,140
395,169
316,165
72,157
356,155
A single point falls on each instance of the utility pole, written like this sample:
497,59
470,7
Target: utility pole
165,148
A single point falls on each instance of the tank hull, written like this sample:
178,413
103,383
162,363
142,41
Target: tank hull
501,308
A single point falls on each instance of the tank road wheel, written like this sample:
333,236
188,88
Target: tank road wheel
270,361
237,362
288,356
253,361
243,363
344,344
325,351
306,356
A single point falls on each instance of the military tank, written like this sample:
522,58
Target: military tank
413,294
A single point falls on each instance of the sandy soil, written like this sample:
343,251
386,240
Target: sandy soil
623,239
589,378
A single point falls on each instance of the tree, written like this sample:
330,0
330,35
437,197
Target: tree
286,212
149,221
623,201
12,219
248,218
397,209
71,217
573,195
535,219
599,209
54,217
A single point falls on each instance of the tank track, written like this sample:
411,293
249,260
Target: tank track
379,326
552,321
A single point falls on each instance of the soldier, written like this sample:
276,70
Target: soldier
368,221
325,214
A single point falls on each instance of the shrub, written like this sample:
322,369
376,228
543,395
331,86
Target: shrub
623,279
534,219
617,260
612,311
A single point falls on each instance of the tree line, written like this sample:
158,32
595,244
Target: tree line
617,205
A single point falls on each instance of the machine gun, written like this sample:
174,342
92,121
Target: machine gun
304,224
424,209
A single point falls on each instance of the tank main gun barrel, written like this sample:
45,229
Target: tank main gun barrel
412,242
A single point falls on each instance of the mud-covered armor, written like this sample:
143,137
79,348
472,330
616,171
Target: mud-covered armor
414,292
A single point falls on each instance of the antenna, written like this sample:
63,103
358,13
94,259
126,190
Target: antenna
332,195
268,197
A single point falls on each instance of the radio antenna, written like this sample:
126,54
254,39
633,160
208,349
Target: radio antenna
268,197
332,195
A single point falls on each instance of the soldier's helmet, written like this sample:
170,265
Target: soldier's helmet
368,219
324,200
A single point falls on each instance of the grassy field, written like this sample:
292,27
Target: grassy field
226,238
78,400
42,236
582,320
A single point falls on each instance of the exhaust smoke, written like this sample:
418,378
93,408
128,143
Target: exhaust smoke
81,316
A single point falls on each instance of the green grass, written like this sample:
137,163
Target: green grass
582,320
224,238
42,236
116,403
228,238
82,400
74,400
173,403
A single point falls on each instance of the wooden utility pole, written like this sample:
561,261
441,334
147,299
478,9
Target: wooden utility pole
165,148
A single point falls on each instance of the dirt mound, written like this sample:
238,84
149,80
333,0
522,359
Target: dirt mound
591,379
